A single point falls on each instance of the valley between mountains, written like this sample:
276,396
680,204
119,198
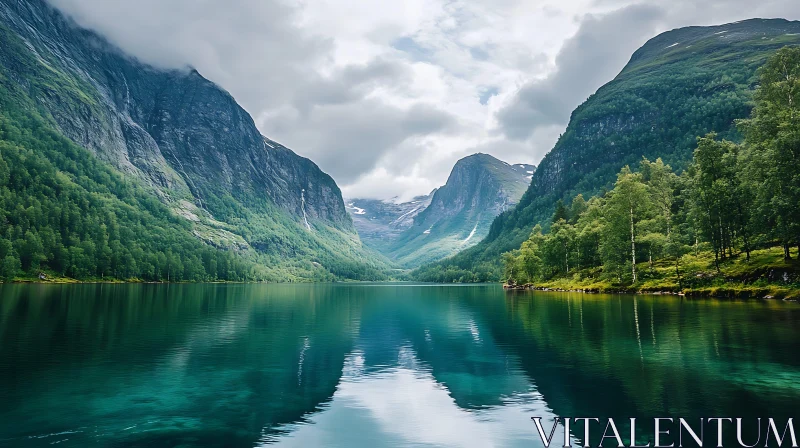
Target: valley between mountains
451,218
115,170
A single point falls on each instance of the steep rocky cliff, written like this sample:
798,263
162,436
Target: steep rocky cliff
380,222
185,138
459,213
680,85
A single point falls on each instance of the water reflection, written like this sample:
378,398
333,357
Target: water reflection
650,357
373,365
163,366
406,406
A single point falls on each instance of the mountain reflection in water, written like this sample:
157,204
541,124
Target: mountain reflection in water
377,365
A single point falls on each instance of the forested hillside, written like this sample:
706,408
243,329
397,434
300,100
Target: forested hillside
64,212
714,224
680,85
122,170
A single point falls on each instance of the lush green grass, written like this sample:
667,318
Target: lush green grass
762,276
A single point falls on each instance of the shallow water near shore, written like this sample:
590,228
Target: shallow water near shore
376,365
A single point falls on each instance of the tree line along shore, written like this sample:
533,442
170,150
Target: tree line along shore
727,226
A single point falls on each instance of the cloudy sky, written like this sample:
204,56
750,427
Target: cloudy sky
386,96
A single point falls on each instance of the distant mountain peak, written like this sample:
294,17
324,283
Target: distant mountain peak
451,218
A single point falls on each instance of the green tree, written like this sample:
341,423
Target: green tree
530,255
559,247
628,204
560,212
772,135
32,251
590,226
10,267
722,207
4,172
656,232
577,208
511,272
661,182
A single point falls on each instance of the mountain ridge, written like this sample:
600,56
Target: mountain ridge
188,141
379,222
664,98
454,216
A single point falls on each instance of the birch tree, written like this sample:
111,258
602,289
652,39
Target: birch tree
628,204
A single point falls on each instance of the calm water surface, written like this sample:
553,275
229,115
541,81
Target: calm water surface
374,365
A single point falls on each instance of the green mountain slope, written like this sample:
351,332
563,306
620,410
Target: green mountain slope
679,85
174,137
63,210
459,214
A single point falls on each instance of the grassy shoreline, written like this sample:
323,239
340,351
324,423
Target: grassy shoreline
136,281
766,276
732,291
108,281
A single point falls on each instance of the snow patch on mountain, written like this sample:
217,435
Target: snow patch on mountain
471,234
404,215
357,210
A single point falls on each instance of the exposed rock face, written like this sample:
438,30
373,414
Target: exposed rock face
379,223
479,185
174,129
182,136
457,215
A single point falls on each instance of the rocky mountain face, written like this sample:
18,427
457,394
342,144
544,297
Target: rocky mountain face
680,85
181,135
379,222
454,217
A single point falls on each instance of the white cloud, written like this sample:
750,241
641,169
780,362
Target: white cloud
386,96
586,61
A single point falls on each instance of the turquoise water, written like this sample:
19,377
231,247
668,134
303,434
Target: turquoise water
374,365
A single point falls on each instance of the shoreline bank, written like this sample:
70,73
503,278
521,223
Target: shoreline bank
714,292
770,292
